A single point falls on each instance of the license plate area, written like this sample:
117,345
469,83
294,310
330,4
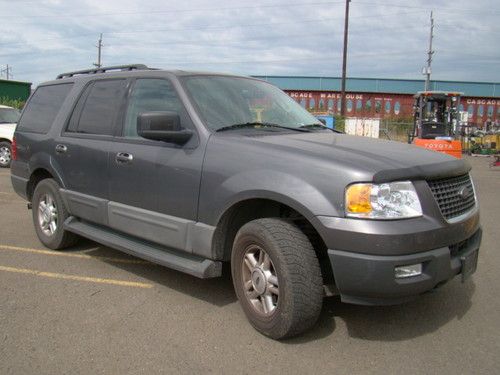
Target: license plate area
469,264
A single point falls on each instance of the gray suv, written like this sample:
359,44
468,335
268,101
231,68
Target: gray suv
190,170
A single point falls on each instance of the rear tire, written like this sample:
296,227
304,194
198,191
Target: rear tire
277,277
49,214
5,154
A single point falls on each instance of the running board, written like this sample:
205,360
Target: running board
183,262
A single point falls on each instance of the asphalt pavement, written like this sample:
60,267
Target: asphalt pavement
94,310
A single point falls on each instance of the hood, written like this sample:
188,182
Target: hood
383,160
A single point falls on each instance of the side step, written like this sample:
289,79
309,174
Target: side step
183,262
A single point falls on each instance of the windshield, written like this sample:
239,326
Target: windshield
9,115
226,101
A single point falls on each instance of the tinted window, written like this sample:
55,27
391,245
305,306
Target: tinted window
100,108
75,116
9,115
224,101
150,95
43,108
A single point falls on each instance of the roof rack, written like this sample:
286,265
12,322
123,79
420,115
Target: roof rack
105,69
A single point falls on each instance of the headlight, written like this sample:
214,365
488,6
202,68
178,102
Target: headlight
394,200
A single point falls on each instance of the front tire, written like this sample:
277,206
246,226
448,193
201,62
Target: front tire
277,277
49,214
5,154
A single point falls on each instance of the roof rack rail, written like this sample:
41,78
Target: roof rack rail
105,69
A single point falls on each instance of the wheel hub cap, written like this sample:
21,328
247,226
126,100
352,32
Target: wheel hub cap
260,280
47,215
4,155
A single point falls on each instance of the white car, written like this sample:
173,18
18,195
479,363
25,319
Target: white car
8,121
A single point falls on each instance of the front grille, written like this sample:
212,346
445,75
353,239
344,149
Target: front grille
455,196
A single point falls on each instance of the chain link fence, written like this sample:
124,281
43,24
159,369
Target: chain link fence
395,130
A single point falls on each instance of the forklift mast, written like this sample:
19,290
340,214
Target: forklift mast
436,115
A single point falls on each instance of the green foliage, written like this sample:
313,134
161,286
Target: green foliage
339,122
15,103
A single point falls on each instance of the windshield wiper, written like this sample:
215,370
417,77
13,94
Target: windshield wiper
255,124
320,126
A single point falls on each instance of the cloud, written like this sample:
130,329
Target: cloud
386,39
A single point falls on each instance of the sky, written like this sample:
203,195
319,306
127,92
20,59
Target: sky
387,39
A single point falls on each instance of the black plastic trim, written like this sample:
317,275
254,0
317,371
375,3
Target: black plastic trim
183,262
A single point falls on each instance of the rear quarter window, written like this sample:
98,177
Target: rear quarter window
43,108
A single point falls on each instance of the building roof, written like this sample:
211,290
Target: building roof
383,85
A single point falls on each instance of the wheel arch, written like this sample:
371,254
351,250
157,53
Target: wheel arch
36,176
42,165
251,208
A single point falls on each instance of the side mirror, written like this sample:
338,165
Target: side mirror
162,126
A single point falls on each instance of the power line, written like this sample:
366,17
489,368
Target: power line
110,34
178,30
156,11
448,9
220,43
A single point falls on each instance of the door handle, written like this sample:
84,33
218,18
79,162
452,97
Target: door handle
61,149
124,157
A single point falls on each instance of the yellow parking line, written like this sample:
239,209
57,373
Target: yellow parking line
75,255
76,278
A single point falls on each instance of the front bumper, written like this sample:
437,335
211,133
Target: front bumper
369,279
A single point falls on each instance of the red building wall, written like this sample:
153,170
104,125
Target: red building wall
396,106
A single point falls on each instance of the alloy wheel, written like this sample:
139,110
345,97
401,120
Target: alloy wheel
260,280
5,155
47,214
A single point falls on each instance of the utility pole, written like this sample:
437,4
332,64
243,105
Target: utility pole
344,59
7,71
427,70
99,49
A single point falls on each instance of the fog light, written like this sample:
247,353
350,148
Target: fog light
411,270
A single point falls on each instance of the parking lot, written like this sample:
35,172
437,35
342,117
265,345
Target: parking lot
95,310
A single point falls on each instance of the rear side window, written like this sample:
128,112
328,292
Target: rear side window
96,109
43,108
